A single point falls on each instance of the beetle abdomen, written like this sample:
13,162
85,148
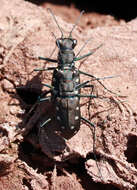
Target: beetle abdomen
68,115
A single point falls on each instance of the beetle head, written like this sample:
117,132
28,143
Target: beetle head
66,43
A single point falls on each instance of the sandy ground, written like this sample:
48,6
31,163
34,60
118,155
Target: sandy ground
36,159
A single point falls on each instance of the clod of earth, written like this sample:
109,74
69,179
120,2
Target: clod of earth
30,159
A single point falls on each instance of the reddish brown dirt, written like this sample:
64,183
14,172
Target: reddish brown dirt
88,20
44,160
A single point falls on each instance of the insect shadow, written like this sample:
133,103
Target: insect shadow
30,92
36,113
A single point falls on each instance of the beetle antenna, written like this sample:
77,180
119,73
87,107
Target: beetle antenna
55,21
54,35
76,23
56,40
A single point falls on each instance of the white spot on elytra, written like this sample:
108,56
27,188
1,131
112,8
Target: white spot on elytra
77,80
58,118
76,117
77,108
57,108
72,127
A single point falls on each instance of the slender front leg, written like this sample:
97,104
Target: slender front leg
88,54
45,69
48,59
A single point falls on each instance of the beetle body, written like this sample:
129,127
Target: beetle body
66,86
65,89
66,100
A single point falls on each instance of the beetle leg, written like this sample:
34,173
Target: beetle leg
88,54
95,78
82,85
85,85
43,125
48,59
94,139
83,56
98,79
45,69
88,95
39,100
90,98
45,122
44,99
89,86
47,85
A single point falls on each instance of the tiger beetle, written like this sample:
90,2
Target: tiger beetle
66,86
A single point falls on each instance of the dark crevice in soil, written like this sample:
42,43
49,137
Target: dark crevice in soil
3,132
119,11
4,168
26,183
131,152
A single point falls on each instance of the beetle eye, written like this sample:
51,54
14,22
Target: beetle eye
74,43
58,42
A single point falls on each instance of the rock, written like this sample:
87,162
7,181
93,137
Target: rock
26,34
